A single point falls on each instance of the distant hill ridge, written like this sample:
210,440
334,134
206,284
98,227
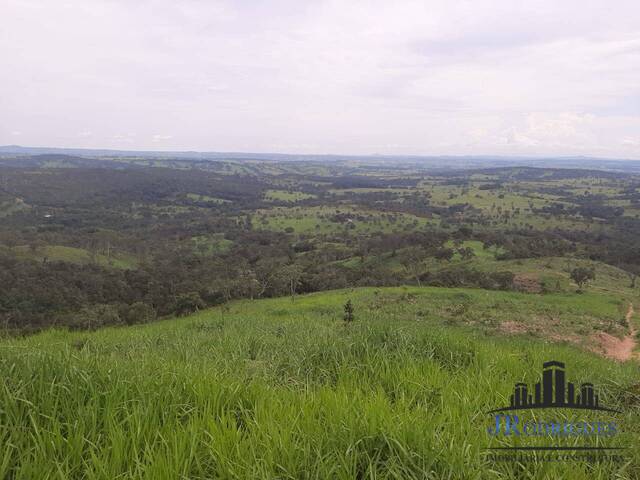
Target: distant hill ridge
435,161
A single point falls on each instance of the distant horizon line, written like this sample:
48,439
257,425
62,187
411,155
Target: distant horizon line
15,149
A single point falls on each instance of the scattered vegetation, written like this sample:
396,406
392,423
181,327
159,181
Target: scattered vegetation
82,238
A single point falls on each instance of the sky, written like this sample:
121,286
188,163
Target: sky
343,77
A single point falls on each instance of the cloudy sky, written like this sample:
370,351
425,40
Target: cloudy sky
402,77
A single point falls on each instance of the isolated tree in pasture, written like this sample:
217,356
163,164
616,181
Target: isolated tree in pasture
582,275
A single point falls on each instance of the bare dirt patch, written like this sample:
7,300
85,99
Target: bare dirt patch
569,338
616,348
527,283
514,328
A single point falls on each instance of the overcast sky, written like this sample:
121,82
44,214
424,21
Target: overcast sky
554,77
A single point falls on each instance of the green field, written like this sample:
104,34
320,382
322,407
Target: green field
211,244
286,196
284,389
206,199
319,220
75,255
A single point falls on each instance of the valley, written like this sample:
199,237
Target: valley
187,319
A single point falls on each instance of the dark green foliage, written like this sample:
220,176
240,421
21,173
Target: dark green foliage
189,303
95,316
582,275
349,315
466,253
137,312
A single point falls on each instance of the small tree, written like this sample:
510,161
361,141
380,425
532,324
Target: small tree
291,275
632,272
348,312
188,303
582,275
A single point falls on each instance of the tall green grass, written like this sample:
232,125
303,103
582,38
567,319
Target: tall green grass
282,389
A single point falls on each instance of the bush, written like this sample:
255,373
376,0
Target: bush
348,312
188,303
95,316
582,275
138,312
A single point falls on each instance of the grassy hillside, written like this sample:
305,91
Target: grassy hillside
284,389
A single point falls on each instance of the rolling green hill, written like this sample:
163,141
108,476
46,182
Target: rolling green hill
285,389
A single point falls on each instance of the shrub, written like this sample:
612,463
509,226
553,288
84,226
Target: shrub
188,303
348,312
138,312
582,275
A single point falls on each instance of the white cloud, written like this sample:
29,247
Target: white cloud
562,129
414,76
160,138
120,138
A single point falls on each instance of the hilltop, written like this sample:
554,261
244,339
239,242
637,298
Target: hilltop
282,388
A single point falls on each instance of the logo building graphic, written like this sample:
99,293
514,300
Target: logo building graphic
554,392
